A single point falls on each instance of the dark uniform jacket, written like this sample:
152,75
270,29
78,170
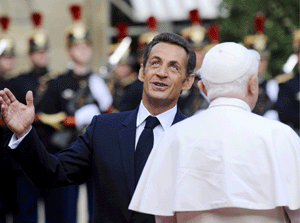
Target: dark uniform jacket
35,80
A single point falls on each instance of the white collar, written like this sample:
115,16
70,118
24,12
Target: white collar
235,102
166,118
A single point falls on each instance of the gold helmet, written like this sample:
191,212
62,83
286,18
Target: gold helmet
258,41
296,40
77,32
147,37
7,44
195,34
39,39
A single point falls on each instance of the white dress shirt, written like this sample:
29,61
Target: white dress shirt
223,157
166,119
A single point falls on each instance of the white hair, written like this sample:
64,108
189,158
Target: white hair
238,86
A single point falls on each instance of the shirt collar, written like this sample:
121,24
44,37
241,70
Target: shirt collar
166,118
234,102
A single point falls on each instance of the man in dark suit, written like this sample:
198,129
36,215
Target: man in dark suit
106,151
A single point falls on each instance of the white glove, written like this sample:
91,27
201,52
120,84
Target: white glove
100,91
85,114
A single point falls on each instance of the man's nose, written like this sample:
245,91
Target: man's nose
162,71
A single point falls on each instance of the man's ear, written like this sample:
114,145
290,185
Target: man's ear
141,73
202,87
253,84
187,84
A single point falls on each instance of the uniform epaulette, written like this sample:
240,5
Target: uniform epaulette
282,78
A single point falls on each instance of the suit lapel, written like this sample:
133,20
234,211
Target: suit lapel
127,145
179,116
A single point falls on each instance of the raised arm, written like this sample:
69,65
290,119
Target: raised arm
17,116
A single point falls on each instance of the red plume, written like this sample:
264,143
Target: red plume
152,23
75,12
213,33
259,23
4,20
122,30
36,18
194,16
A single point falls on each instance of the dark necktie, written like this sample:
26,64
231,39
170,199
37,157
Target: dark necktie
144,146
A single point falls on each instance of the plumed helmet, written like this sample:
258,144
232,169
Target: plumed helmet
7,44
77,32
38,39
196,33
213,36
147,37
258,41
122,32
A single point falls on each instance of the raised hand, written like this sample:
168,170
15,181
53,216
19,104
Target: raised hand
17,116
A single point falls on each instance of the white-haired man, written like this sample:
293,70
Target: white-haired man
225,164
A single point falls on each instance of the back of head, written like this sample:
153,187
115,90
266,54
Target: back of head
175,39
226,69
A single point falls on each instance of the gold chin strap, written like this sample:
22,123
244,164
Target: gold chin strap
53,120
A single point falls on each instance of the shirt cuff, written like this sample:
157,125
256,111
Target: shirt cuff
14,142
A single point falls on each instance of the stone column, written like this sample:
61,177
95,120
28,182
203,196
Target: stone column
97,19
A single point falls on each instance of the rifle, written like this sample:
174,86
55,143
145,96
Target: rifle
115,57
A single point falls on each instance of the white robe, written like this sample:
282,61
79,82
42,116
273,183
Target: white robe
223,157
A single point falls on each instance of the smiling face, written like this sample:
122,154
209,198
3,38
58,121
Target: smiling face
164,76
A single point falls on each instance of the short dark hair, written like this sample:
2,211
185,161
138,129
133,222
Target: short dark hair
178,40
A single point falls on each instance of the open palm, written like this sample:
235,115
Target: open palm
17,116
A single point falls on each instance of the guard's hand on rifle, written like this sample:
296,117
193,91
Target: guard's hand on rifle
17,116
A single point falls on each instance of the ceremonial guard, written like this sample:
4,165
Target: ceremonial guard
9,169
56,201
288,102
192,100
133,92
74,97
125,71
268,88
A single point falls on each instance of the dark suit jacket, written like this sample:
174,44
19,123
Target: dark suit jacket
104,152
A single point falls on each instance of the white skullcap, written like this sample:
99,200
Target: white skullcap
227,62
